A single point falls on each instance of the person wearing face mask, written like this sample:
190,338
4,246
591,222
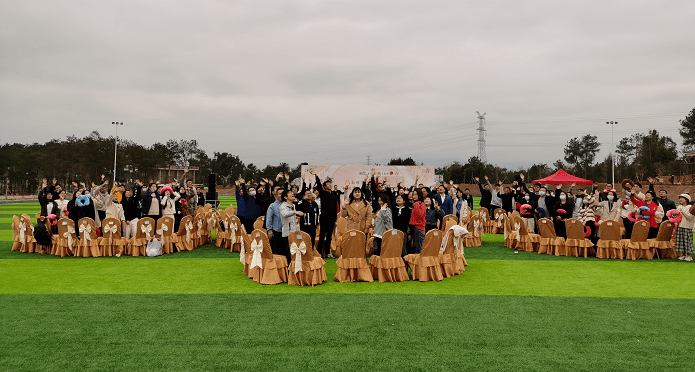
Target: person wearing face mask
329,213
544,201
311,215
649,213
628,206
608,209
241,196
586,214
251,209
288,216
561,211
527,216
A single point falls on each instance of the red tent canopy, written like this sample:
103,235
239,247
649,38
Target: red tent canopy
562,178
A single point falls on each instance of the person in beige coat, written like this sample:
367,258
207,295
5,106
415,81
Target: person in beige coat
357,211
684,232
608,209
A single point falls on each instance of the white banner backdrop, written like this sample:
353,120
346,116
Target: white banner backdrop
355,174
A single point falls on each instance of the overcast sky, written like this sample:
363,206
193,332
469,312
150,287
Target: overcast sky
329,82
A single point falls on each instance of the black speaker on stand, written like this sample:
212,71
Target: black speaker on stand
211,196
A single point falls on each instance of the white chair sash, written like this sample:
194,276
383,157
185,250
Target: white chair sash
22,232
200,228
211,223
86,231
232,232
110,229
147,230
297,251
257,249
517,232
189,227
242,253
68,235
500,220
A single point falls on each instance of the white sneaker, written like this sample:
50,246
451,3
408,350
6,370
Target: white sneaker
118,255
681,258
688,258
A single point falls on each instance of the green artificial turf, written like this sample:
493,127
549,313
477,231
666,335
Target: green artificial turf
218,275
343,333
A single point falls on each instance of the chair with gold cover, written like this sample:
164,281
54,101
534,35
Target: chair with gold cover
550,244
165,234
145,232
451,255
23,239
527,241
259,223
638,245
65,243
663,245
305,268
509,233
184,237
266,267
201,232
111,242
222,229
352,263
234,240
246,254
426,266
609,245
338,231
448,221
231,211
475,229
389,265
576,241
88,245
488,223
500,217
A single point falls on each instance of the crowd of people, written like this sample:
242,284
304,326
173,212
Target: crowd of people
592,205
375,206
127,203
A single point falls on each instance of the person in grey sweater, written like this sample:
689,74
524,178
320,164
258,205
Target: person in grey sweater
288,217
383,221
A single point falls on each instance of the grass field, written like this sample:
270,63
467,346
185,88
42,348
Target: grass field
196,311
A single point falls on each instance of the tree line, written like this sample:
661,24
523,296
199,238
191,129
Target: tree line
23,166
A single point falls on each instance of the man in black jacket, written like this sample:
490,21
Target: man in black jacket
329,213
485,194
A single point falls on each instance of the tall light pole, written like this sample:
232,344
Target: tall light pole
612,124
115,150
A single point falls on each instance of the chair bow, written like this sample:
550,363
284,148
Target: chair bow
147,230
86,231
517,233
257,249
200,228
297,251
189,227
211,222
500,220
161,231
475,228
22,232
68,235
242,253
110,229
232,233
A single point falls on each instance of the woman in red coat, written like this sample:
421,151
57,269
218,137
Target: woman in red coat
417,220
648,213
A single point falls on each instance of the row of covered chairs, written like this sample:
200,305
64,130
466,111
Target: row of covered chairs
610,245
84,240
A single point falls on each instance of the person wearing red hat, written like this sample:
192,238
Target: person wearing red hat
168,201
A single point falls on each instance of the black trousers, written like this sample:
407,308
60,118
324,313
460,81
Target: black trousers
628,227
325,237
277,245
311,230
248,224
